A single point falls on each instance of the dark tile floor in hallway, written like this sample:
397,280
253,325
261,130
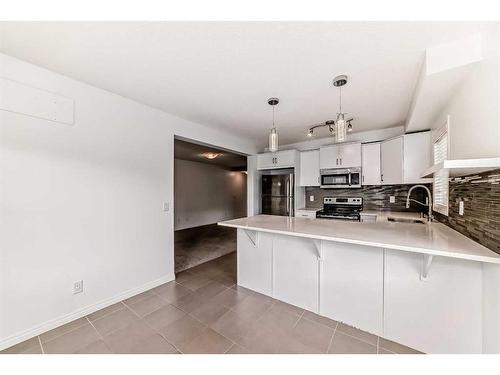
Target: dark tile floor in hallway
203,311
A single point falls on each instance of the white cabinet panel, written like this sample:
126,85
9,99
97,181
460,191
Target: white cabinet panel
329,157
417,157
350,155
370,164
309,168
266,160
351,288
391,152
345,155
280,159
255,261
296,272
439,315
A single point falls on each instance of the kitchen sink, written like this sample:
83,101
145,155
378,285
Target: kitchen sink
405,220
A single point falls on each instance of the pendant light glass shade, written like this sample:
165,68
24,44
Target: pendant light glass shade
273,140
273,134
340,128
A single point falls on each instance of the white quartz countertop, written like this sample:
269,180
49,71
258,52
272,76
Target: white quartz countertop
433,239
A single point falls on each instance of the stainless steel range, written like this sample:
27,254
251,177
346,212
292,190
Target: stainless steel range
341,208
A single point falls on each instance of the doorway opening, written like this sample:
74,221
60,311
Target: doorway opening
210,185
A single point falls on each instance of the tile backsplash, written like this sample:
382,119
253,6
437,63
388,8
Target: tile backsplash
374,197
481,219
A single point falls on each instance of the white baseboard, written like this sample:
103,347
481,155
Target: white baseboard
61,320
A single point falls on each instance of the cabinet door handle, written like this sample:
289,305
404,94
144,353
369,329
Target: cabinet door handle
337,161
340,161
382,177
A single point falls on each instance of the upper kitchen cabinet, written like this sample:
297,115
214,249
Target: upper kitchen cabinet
417,157
370,164
405,158
391,161
280,159
309,168
345,155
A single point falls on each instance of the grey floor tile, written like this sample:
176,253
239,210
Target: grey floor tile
138,297
182,330
209,312
320,319
357,333
128,339
208,342
171,291
105,311
345,344
313,334
164,316
97,347
29,346
396,348
114,321
154,344
56,332
72,341
147,305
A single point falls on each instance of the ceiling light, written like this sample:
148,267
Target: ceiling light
273,134
210,155
340,126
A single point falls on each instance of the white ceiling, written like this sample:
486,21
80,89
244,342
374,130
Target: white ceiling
221,73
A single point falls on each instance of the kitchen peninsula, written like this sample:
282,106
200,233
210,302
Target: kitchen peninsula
423,285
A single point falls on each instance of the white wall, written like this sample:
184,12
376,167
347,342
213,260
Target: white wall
84,201
474,110
206,194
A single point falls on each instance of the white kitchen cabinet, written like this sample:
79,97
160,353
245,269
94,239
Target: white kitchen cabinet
417,157
295,271
352,289
440,315
370,164
309,168
342,155
391,161
255,261
280,159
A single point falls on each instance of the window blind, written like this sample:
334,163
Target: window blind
440,186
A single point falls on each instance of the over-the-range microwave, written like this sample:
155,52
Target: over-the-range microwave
345,178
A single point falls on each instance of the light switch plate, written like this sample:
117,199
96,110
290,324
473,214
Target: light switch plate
461,208
311,198
392,199
166,207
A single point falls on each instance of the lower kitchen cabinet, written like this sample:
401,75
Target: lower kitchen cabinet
295,271
442,314
255,259
352,285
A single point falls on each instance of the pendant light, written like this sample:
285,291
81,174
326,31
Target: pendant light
340,127
273,134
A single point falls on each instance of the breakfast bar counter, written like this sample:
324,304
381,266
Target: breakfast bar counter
421,284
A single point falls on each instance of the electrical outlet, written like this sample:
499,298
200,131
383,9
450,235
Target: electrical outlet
311,198
461,208
78,287
392,199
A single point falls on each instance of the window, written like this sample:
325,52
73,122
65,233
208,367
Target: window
441,177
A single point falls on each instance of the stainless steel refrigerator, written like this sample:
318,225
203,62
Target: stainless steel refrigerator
277,193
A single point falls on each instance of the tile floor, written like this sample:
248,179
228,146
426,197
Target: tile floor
203,311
